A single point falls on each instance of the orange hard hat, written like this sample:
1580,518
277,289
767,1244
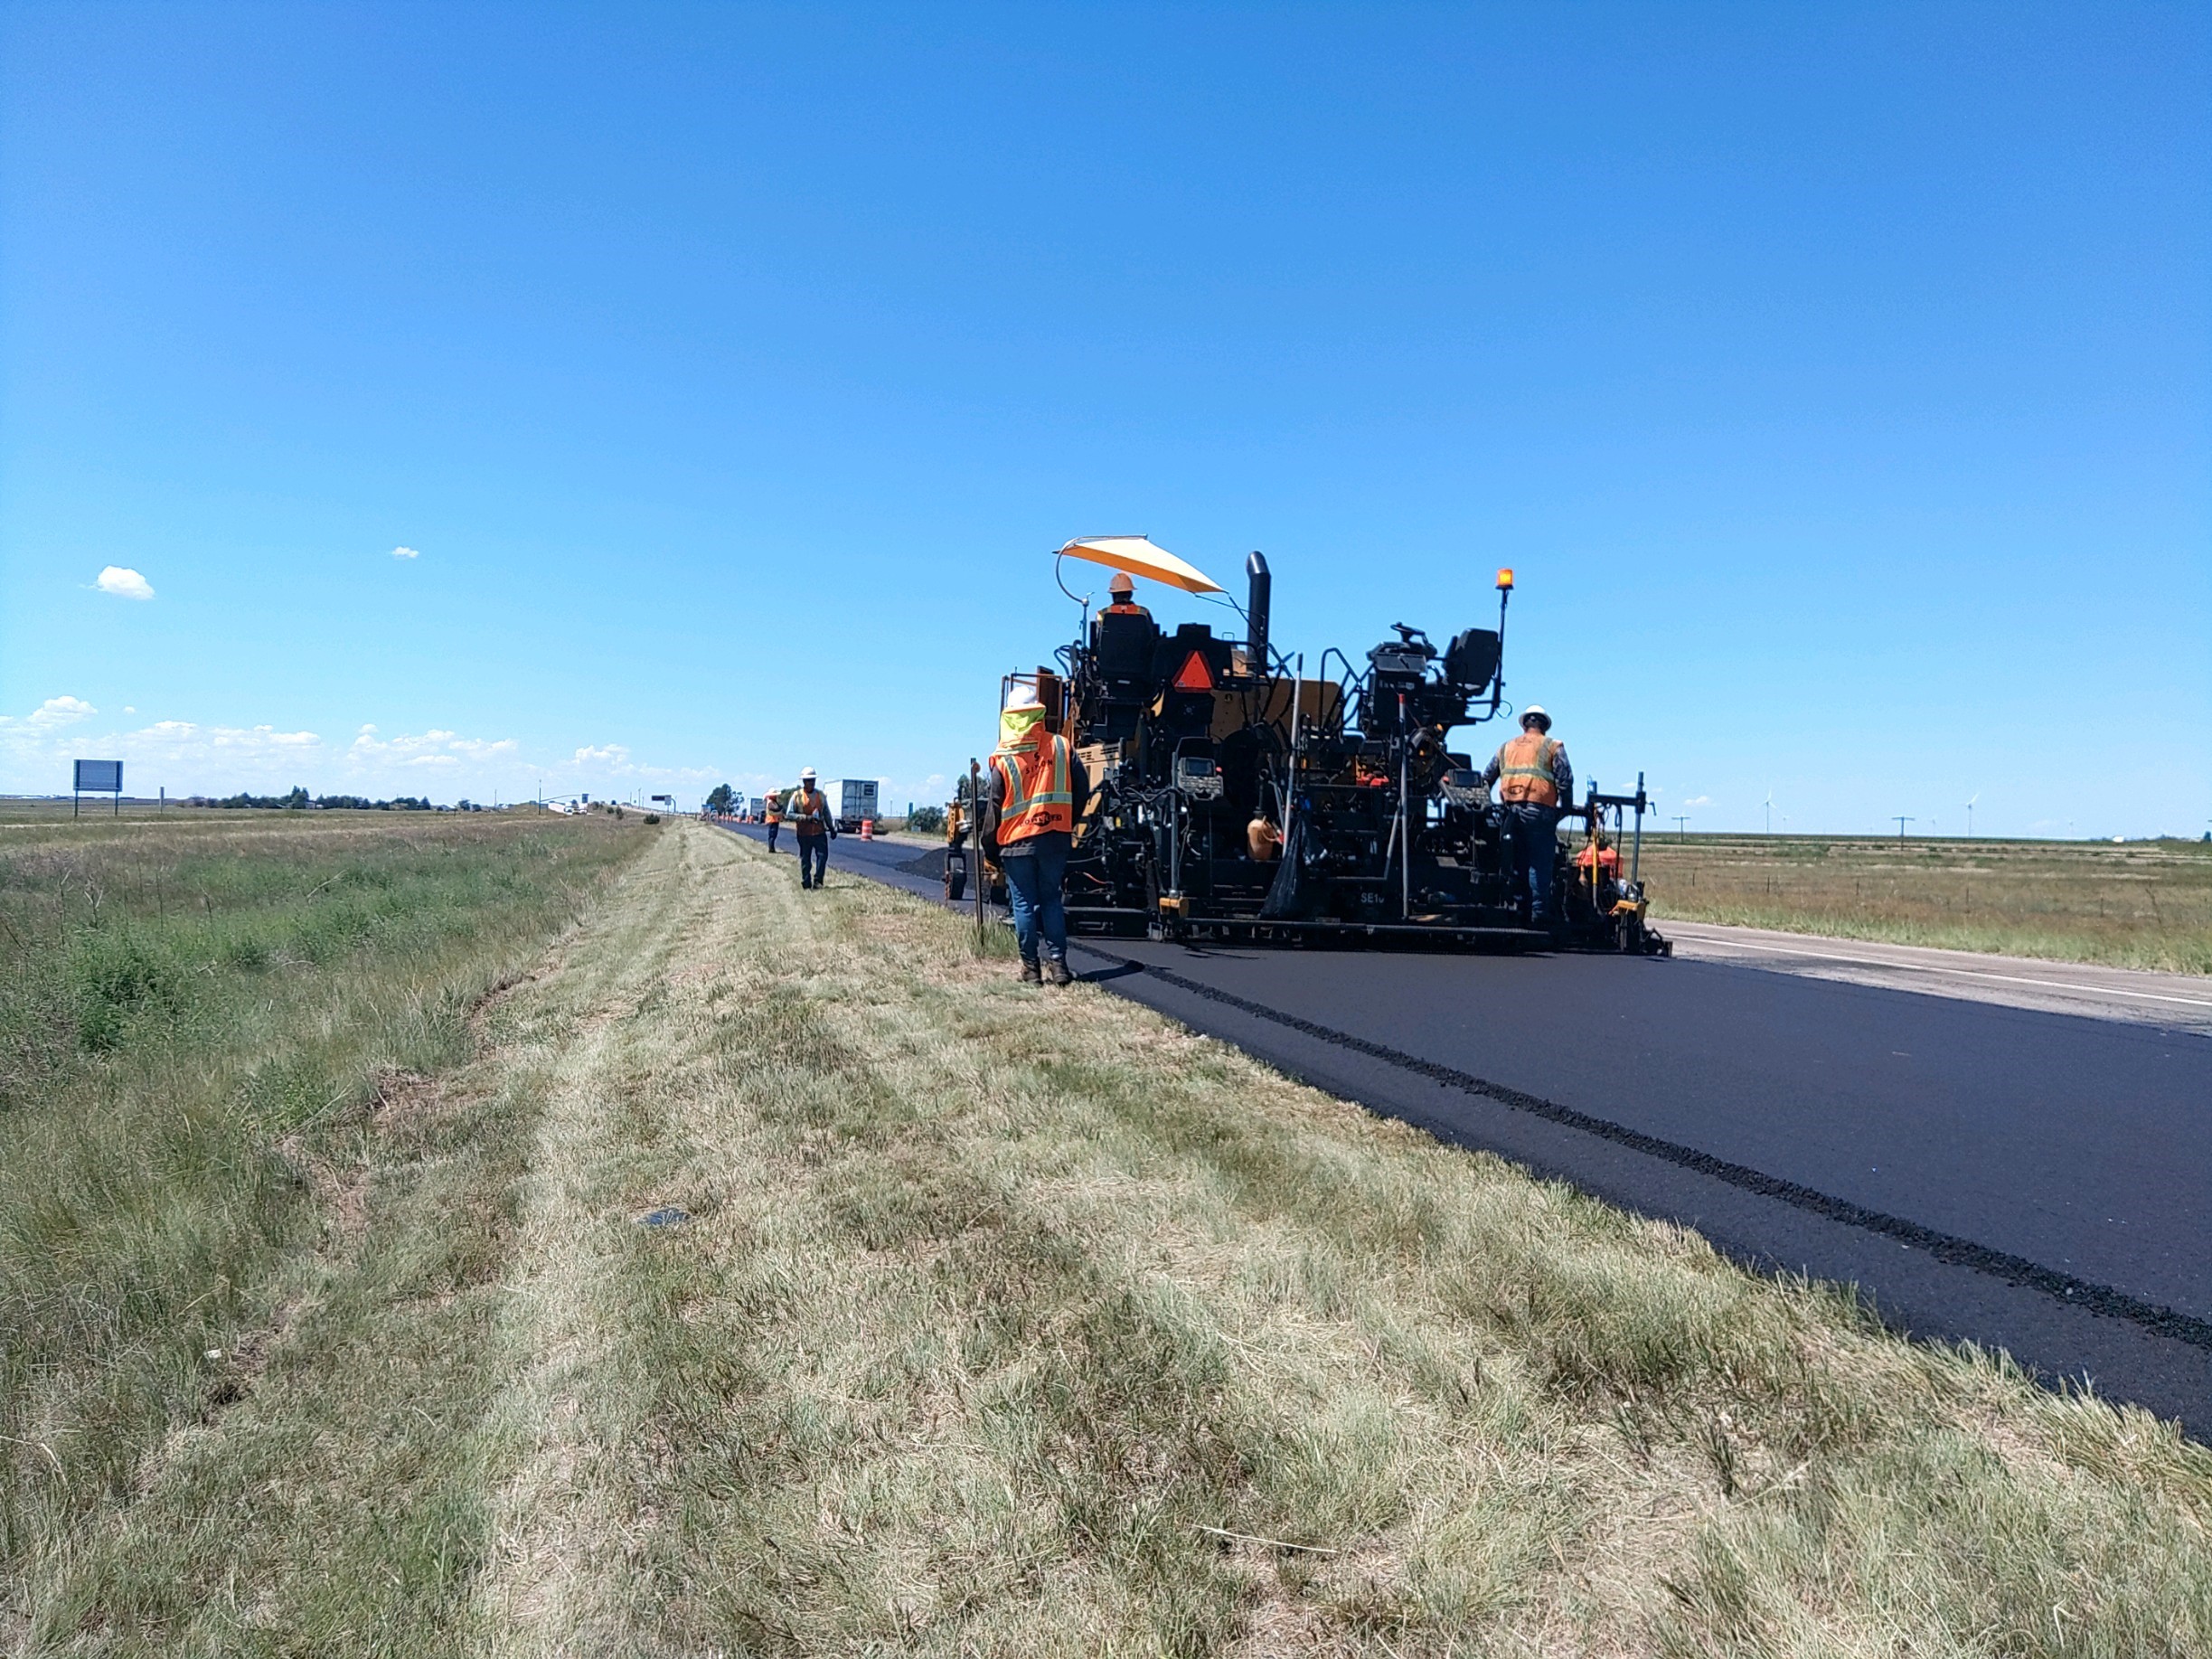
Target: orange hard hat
1121,583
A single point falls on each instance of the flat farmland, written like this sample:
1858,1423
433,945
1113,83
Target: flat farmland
2144,904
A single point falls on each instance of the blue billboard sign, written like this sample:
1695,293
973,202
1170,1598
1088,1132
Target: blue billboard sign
98,778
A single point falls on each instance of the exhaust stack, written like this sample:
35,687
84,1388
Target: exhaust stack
1255,613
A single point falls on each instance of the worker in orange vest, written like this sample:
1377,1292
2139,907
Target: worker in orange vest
1600,862
813,828
1533,780
1124,598
1033,789
775,816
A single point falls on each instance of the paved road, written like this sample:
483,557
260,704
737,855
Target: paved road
2037,1180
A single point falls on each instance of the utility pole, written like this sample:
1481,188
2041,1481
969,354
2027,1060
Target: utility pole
1682,826
1902,822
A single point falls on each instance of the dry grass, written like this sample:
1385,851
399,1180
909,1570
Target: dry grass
1008,1321
2140,904
204,1026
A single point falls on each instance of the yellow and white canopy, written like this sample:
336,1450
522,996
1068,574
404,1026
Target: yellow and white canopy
1139,557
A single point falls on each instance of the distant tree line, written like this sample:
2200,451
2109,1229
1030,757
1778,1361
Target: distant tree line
299,800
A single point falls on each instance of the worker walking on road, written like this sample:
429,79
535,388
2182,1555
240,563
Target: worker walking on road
1032,790
774,813
1532,779
813,828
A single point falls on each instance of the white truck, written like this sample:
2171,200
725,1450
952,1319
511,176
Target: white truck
854,798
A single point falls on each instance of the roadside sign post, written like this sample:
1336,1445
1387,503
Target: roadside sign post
96,777
975,846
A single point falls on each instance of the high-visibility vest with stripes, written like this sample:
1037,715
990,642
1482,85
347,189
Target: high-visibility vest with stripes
1036,793
1525,778
805,810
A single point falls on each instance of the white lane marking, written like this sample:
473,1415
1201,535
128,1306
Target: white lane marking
1935,967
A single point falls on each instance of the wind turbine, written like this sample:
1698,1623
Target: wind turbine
1970,815
1770,809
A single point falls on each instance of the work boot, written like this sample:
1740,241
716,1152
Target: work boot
1056,970
1030,976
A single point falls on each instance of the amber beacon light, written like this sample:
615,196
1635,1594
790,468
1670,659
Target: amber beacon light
1505,581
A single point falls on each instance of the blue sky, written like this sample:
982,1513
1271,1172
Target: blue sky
1838,379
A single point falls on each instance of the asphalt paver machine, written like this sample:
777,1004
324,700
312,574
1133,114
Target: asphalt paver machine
1235,795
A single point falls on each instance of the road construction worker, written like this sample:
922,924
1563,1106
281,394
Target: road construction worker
1032,790
1598,864
1124,598
1533,780
813,828
773,811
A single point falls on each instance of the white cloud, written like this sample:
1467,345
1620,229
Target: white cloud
190,758
370,753
35,753
405,553
124,583
1695,800
60,712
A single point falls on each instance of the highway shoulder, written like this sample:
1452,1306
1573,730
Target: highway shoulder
2173,1002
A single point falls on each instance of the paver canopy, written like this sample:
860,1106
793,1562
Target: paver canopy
1139,557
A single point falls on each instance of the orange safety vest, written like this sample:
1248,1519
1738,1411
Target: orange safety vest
1036,793
775,813
806,803
1607,859
1129,609
1525,778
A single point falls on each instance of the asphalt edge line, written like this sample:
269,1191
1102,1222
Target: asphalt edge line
1946,1247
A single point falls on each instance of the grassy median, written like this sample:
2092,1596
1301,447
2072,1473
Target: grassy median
2144,904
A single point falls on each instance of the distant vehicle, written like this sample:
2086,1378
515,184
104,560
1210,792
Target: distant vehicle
855,798
756,808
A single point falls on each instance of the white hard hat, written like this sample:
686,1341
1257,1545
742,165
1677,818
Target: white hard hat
807,775
1535,710
1022,697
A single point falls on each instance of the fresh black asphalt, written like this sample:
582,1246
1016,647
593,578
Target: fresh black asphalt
2031,1181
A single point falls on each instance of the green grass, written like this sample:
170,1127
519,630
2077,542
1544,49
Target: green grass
2140,904
1010,1321
199,1019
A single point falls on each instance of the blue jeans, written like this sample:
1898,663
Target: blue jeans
814,859
1532,833
1034,885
